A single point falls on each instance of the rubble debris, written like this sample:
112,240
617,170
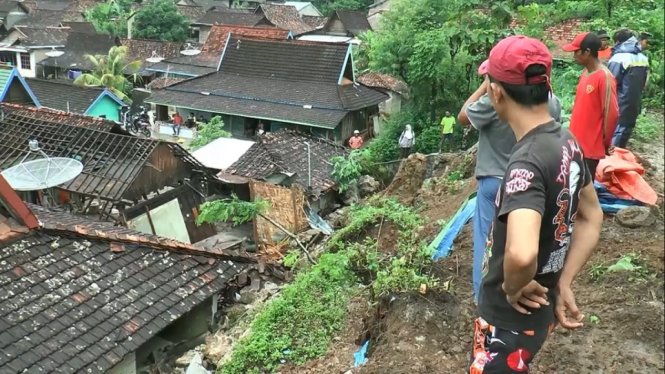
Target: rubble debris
367,185
635,216
409,179
196,366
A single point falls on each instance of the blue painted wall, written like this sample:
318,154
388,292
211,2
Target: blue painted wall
106,106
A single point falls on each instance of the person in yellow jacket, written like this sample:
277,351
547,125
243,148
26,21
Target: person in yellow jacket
447,129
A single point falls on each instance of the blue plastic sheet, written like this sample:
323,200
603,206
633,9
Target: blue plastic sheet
453,228
360,357
609,202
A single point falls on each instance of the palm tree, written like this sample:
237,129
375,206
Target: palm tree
109,72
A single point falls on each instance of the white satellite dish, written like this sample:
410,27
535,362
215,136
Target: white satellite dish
41,173
54,53
190,51
154,58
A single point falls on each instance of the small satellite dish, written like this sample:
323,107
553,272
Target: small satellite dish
190,51
54,53
41,173
154,58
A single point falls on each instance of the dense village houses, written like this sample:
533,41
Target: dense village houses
285,17
297,85
88,296
304,8
24,47
74,61
208,60
120,172
200,29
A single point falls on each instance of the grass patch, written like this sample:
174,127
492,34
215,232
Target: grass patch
631,263
299,325
648,128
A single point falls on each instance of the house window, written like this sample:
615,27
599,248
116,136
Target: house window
25,61
194,33
8,58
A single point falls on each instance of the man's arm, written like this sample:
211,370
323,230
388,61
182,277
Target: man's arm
522,207
616,68
585,235
610,106
462,117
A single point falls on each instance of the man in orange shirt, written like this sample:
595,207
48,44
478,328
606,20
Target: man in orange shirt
596,110
356,140
605,51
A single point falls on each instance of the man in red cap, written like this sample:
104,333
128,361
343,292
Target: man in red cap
596,110
532,254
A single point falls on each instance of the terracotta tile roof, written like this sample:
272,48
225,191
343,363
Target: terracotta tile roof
16,218
58,117
140,49
290,81
84,27
63,95
284,151
315,21
215,16
219,35
79,304
355,22
191,12
42,36
285,17
385,81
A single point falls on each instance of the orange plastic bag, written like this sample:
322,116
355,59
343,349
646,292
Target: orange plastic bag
622,175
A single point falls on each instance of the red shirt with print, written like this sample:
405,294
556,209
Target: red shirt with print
595,112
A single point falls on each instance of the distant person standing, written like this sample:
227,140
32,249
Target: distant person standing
447,130
495,144
406,141
596,110
605,51
177,123
356,141
630,68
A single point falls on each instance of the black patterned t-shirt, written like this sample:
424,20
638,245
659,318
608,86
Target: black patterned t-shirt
545,173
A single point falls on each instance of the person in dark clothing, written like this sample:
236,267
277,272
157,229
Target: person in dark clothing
630,68
532,253
191,121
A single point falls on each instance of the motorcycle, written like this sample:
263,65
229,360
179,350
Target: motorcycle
138,123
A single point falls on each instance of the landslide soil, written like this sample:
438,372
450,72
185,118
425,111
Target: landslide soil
431,333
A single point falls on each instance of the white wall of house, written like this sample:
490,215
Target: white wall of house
126,366
22,59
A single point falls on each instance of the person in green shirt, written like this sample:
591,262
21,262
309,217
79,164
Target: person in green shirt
447,129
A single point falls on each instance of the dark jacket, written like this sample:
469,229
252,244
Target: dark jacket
630,68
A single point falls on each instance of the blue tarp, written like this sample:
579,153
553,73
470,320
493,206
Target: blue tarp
360,357
609,202
444,241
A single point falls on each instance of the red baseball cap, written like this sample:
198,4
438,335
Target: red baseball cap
576,44
510,58
482,69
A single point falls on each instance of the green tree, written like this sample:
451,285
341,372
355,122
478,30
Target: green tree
110,17
327,7
208,132
109,72
160,20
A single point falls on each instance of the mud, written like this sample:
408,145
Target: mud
431,333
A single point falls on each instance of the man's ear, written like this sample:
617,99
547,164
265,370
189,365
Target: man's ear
496,93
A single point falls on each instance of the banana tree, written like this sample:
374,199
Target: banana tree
109,72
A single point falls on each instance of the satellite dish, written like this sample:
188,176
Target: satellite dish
54,53
154,58
41,173
190,51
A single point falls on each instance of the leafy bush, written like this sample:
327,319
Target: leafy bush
208,132
347,170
